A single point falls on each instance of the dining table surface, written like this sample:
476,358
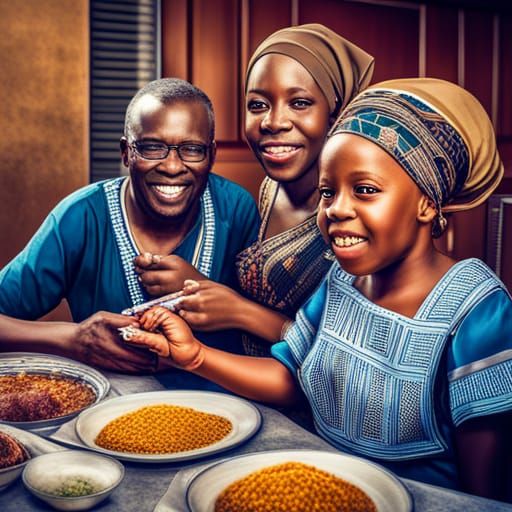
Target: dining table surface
161,487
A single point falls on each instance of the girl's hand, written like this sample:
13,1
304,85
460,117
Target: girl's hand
161,275
169,336
210,306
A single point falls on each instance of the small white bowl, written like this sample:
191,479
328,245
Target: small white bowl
8,475
44,474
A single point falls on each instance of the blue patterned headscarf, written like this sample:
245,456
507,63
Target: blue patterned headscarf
437,131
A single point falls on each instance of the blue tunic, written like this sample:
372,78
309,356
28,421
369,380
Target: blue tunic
84,252
393,388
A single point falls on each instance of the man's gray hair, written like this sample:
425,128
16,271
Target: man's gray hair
169,91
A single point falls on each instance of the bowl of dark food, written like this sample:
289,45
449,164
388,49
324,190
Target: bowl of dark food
42,391
13,458
72,479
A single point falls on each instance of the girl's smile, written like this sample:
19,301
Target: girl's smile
369,205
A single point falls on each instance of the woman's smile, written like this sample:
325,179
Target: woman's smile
279,153
285,123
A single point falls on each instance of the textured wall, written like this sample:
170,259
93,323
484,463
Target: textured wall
44,106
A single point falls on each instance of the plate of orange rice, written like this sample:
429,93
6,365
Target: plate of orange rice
168,426
297,481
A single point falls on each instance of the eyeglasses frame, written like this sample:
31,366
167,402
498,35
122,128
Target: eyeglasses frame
170,147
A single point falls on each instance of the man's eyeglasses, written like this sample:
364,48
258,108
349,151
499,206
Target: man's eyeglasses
159,151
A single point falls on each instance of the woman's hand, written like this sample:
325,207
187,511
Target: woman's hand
169,336
161,275
210,306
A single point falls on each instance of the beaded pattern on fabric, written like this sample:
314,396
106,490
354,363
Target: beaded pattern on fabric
205,245
370,373
282,271
127,251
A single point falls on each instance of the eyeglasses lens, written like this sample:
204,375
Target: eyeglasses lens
186,152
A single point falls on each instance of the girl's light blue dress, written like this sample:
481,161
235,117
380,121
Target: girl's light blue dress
392,388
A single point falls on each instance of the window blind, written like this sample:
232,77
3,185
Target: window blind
125,55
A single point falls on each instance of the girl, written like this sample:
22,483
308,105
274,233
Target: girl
403,353
296,83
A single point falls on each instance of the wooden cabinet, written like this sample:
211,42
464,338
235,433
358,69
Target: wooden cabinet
209,42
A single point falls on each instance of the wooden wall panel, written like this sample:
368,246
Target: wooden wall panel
478,56
470,226
216,60
261,24
175,39
504,125
389,33
442,43
470,233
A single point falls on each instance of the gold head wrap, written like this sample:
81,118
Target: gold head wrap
339,67
438,132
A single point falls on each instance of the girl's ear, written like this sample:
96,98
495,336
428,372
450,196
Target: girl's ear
427,210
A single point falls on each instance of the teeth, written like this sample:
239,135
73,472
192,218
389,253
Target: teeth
347,241
170,190
275,150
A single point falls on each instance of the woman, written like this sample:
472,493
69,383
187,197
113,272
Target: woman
297,81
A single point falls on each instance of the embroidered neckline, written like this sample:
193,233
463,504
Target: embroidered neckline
205,243
421,314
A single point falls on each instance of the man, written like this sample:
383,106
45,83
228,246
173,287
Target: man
85,250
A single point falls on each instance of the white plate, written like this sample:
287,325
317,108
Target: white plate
386,491
13,363
244,416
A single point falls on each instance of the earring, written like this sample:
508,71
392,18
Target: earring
439,225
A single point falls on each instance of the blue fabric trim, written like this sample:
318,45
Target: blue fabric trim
281,352
487,391
484,332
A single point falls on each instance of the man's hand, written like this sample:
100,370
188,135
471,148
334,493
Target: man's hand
161,275
97,342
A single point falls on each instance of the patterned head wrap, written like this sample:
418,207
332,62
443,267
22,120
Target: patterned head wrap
438,132
340,68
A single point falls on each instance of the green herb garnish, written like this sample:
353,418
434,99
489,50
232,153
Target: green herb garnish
75,487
